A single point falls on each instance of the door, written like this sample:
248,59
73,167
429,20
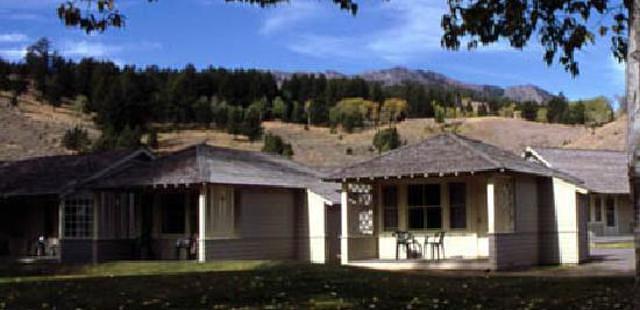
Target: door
333,229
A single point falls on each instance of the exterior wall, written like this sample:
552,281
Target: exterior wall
115,249
317,231
559,223
623,215
518,248
76,250
265,227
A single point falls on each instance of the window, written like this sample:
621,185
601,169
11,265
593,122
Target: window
598,209
457,205
611,212
78,218
390,206
173,213
425,211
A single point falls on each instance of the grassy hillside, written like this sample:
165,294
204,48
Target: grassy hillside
32,129
319,147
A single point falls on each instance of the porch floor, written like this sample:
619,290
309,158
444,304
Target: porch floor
481,264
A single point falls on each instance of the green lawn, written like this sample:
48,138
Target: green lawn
614,245
184,285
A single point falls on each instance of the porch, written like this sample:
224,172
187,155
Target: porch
490,221
478,264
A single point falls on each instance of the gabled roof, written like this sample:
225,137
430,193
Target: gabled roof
445,153
602,171
210,164
53,175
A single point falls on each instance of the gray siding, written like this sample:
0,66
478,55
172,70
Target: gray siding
268,227
76,251
513,250
119,249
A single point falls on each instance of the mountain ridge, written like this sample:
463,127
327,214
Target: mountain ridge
398,75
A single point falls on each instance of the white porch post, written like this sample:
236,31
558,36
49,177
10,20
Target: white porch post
491,206
202,223
344,221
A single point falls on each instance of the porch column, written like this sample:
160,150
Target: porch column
491,206
202,223
344,221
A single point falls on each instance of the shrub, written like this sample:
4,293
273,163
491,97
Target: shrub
386,140
439,113
349,151
76,139
275,145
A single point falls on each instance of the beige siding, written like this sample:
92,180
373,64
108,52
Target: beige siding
559,223
317,234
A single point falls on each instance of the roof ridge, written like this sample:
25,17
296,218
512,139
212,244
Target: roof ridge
577,149
402,147
463,141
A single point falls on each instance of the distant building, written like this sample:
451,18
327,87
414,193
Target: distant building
202,202
605,177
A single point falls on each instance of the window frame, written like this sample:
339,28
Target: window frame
73,220
425,207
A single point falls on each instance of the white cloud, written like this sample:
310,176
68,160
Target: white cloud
13,37
13,54
287,15
88,49
411,31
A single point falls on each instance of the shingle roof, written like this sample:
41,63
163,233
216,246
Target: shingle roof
210,164
53,174
445,153
601,171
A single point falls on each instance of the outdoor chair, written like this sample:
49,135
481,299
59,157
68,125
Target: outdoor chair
436,245
411,245
188,244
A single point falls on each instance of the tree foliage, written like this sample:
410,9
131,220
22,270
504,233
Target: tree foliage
76,139
562,27
100,15
386,139
274,144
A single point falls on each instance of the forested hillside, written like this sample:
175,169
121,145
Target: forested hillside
131,105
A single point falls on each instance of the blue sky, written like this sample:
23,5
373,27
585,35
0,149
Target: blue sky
305,35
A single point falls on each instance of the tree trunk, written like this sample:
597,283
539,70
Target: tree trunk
633,110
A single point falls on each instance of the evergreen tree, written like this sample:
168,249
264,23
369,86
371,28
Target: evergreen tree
76,139
386,140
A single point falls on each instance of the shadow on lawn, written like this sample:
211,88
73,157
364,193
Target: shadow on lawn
294,285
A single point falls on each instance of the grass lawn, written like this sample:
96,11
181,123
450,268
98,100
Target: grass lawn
614,245
222,285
